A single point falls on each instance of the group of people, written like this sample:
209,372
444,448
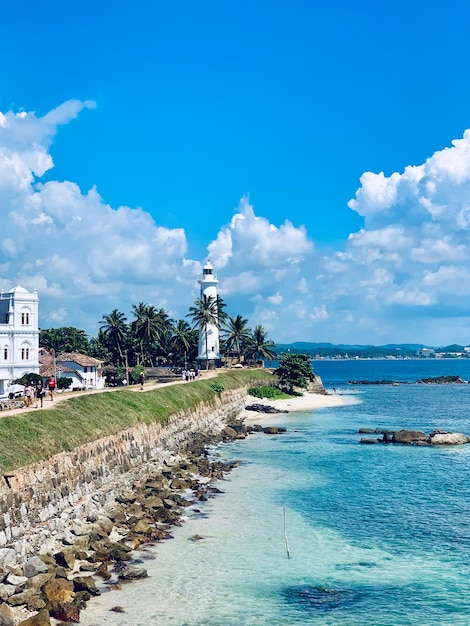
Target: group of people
37,391
189,375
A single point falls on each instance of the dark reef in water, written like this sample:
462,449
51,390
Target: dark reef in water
437,380
318,597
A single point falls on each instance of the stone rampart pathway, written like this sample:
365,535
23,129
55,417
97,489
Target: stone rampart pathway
66,395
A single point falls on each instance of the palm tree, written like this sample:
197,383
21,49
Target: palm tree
237,334
146,327
165,347
221,314
260,347
182,339
115,329
204,314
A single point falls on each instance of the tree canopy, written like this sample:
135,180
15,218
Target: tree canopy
153,338
294,370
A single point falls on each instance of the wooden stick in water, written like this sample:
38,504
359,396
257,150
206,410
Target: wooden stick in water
285,535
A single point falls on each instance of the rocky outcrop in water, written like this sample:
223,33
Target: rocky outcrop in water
442,380
414,437
437,380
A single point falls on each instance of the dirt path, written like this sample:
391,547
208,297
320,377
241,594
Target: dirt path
66,395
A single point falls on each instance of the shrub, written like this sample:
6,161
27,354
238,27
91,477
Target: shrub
270,392
216,387
63,382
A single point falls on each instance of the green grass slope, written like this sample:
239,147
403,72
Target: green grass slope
39,435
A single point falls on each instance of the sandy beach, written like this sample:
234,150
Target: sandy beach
306,402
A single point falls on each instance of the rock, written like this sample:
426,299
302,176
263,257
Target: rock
86,583
135,510
81,542
38,581
409,436
59,590
133,573
230,432
141,527
66,612
442,380
238,427
30,597
179,483
48,559
271,430
6,591
17,581
33,566
40,619
102,572
116,513
370,441
7,615
7,557
448,439
65,558
264,408
153,502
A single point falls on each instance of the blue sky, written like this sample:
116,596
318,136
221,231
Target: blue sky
138,139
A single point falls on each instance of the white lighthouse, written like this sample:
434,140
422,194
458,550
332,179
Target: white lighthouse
209,350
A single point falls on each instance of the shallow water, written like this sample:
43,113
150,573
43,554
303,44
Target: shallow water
376,534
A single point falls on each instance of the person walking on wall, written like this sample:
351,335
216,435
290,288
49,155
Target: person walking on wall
51,384
141,380
28,394
39,393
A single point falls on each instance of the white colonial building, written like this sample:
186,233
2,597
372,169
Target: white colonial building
19,335
209,349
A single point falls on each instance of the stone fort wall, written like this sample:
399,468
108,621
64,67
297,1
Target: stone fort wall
39,502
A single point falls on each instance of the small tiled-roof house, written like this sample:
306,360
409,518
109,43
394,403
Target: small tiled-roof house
85,371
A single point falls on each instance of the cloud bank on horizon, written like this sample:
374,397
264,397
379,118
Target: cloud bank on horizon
403,277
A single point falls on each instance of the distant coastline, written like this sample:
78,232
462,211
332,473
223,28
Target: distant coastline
320,351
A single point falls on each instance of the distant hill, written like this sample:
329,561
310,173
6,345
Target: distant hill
350,350
397,350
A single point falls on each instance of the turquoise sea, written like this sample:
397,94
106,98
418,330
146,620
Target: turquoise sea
315,529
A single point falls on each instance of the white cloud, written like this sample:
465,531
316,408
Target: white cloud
250,239
402,277
319,314
276,299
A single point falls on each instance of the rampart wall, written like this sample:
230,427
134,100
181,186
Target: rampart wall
39,502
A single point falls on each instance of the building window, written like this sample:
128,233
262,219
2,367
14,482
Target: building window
25,319
25,354
5,353
85,369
